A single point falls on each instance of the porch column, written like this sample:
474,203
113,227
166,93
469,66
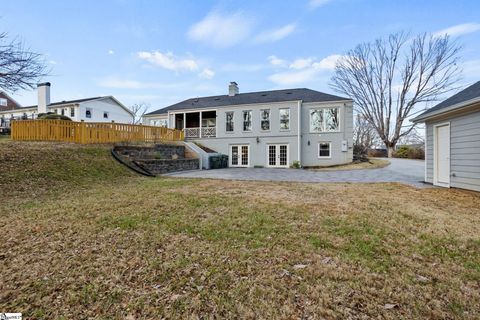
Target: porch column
200,124
184,121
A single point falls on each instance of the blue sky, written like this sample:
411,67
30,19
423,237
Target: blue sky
161,52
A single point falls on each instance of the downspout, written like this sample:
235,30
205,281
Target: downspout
299,132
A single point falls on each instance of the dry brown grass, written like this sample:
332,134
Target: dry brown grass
149,248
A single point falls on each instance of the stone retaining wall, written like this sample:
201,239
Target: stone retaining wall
159,166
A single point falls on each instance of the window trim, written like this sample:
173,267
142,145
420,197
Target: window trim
72,112
269,120
243,121
329,150
233,122
324,120
280,119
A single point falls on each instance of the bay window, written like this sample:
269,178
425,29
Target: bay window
324,120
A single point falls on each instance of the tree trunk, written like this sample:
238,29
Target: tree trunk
390,150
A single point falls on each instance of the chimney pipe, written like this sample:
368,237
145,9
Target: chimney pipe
43,97
232,89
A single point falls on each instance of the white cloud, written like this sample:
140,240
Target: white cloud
304,70
168,61
222,30
111,52
276,34
317,3
327,63
459,29
275,61
301,63
120,83
207,73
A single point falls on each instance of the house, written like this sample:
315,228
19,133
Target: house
452,156
96,109
266,129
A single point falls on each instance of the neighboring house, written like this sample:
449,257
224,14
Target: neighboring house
453,140
268,128
96,109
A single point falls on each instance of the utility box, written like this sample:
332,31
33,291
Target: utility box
344,146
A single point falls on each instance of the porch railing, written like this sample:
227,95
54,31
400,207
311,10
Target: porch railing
207,132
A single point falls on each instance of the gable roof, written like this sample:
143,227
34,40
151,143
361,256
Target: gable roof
71,101
457,100
11,103
304,94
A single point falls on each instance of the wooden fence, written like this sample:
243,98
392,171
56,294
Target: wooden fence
90,132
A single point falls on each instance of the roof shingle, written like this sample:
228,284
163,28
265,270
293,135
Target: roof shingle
306,95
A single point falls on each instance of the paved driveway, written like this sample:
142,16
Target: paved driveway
406,171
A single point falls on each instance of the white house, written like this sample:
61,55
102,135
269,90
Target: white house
95,109
266,129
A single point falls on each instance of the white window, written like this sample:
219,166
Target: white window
229,121
324,120
105,115
247,120
3,102
88,113
72,112
62,112
265,119
324,149
284,119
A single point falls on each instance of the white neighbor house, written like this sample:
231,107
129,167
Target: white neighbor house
266,129
95,109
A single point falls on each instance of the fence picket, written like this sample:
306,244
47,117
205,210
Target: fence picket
92,132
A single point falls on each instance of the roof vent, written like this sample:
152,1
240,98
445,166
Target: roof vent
264,95
288,93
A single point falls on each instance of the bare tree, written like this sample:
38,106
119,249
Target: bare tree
390,77
139,110
20,68
364,136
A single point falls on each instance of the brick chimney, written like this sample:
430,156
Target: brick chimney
232,89
43,96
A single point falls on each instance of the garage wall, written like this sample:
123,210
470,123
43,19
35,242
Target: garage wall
464,150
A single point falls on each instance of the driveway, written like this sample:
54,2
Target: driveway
406,171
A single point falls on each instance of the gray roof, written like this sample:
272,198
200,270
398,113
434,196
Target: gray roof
70,101
307,95
465,95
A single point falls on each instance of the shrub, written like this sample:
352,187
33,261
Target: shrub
52,116
295,164
407,152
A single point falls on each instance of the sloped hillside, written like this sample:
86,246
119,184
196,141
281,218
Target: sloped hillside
38,168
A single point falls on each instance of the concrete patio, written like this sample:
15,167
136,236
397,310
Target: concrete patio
405,171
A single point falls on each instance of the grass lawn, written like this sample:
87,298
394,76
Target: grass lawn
82,237
372,163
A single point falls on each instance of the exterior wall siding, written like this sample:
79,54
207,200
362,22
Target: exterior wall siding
258,140
115,112
464,150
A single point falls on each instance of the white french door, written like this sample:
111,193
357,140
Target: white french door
277,155
239,155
